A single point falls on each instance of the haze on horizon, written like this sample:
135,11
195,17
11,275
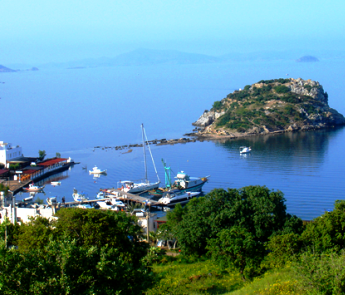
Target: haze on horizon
39,31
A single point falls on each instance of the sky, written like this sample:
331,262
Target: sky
38,31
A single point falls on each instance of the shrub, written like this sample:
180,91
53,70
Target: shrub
217,105
282,89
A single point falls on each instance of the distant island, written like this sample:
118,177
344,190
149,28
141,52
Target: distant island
307,58
269,106
3,69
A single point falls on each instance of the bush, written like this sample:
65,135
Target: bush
217,105
282,89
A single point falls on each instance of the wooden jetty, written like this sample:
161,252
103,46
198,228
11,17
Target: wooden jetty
123,196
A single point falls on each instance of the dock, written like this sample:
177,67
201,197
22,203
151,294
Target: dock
128,197
123,196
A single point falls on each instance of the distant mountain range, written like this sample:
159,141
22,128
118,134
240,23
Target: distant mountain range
156,57
3,69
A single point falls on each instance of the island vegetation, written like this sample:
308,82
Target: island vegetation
235,241
276,105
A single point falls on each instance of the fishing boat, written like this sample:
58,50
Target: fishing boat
183,183
79,197
173,197
245,150
96,170
145,185
55,183
33,188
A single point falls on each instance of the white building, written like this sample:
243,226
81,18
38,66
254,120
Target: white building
9,152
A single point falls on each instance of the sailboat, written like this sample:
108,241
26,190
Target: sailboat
145,185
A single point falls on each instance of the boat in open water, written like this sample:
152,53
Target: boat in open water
96,170
245,150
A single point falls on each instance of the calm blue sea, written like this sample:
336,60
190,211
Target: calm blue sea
72,111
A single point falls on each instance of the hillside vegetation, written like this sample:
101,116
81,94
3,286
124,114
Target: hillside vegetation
271,106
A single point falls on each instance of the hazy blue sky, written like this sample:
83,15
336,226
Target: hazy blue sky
40,30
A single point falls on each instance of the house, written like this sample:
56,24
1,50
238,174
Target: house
9,152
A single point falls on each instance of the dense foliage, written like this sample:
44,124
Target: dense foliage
232,226
82,252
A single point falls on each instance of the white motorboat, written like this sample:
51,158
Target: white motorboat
145,185
79,197
117,202
55,183
245,150
28,199
173,197
96,170
33,188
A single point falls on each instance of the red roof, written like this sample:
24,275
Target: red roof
51,162
30,171
3,171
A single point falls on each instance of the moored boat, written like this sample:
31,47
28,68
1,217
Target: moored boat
183,183
33,188
173,197
55,183
96,170
79,197
245,150
51,201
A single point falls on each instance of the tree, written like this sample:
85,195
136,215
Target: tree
34,234
256,208
327,232
41,155
66,268
58,155
237,247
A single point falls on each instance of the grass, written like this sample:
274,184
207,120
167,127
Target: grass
200,277
278,281
183,276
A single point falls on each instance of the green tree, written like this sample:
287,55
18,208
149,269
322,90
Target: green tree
34,234
237,247
58,155
327,232
41,155
66,268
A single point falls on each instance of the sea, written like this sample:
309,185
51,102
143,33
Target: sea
84,113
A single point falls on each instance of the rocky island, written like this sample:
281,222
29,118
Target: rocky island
269,106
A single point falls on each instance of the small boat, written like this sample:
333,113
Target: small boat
33,188
245,150
96,170
116,202
28,199
176,196
55,183
51,201
79,197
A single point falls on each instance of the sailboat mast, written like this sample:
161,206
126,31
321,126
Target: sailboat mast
142,130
